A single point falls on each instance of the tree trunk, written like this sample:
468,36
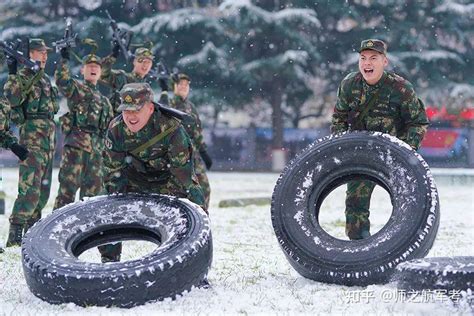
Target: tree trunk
277,119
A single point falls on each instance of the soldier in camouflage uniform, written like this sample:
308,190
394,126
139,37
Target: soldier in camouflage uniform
147,151
193,127
84,127
391,106
33,101
116,79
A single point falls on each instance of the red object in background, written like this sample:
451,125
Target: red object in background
441,114
440,138
467,114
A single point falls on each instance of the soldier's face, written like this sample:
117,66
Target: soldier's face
91,72
136,120
39,55
141,66
182,88
372,65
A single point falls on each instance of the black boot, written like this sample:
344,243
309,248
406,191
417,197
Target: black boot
1,250
14,235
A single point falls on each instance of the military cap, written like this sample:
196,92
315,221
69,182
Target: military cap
143,52
38,44
373,44
134,96
182,76
91,58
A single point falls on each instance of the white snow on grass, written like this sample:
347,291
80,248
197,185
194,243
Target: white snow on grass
250,274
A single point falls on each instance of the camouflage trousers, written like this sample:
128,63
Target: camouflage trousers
34,186
79,170
357,208
200,170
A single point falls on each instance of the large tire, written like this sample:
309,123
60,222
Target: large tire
51,248
443,273
327,164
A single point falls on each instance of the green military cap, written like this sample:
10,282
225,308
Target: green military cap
38,44
373,44
134,96
143,52
91,58
182,76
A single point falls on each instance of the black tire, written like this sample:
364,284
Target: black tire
443,273
51,248
327,164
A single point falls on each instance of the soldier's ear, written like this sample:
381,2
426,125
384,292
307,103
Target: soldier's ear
82,70
385,61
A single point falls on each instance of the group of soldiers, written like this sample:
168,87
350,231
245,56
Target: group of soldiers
128,143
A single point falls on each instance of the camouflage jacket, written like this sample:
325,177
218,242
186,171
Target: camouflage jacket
193,125
89,111
116,79
7,139
396,111
165,167
33,102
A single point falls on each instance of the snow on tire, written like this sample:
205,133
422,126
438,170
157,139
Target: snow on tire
437,273
51,248
332,161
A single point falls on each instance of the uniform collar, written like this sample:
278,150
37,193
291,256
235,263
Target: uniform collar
90,85
379,83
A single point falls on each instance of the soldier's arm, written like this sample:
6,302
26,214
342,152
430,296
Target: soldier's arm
112,77
12,90
7,139
63,79
414,120
198,138
339,122
114,165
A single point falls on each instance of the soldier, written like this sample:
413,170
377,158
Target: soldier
33,101
7,139
374,99
147,151
193,127
84,127
116,79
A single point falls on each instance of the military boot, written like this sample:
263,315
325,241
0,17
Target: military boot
1,250
15,235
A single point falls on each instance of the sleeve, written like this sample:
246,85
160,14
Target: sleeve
115,179
181,165
198,138
63,79
12,90
111,77
339,122
414,122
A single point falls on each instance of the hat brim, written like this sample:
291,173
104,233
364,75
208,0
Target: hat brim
129,107
145,57
42,48
370,48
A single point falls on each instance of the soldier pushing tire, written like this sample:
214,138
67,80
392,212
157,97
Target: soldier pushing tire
332,161
181,260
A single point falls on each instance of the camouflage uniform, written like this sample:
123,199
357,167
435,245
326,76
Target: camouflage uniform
117,78
33,111
84,127
194,129
164,167
7,139
397,111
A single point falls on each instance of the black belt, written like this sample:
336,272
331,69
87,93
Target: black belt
39,115
90,130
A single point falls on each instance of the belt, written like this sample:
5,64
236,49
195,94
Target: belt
39,115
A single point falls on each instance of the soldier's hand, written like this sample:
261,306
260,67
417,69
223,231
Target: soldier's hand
163,84
12,65
206,158
20,151
115,49
64,53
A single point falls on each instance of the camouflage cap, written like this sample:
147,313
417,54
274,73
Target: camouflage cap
182,76
373,44
134,96
91,58
38,44
143,52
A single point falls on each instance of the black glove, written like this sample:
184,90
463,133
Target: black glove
20,151
207,159
64,53
12,65
163,84
115,49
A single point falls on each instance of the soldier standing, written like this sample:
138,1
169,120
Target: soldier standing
116,79
84,127
193,127
33,101
373,99
147,151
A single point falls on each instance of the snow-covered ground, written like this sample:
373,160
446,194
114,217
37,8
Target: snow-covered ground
250,274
